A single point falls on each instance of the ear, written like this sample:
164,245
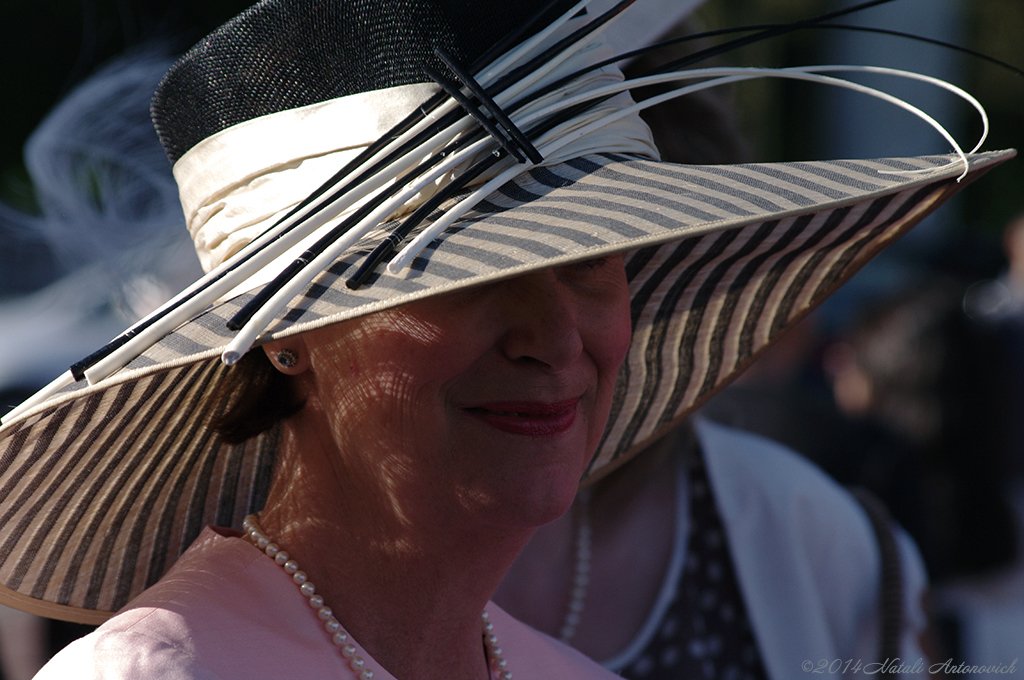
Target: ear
289,356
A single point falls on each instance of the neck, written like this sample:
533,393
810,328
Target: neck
408,585
632,514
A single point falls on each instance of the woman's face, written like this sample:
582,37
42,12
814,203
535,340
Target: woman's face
489,399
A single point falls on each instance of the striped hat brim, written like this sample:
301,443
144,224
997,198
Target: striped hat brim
103,486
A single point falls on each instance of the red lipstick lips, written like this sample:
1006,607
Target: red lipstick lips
532,419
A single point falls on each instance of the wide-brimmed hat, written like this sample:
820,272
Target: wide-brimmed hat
111,472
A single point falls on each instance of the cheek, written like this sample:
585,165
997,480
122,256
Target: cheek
610,336
623,335
381,369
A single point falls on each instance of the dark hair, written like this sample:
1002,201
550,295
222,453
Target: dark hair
258,397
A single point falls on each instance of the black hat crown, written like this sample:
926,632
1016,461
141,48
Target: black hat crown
284,54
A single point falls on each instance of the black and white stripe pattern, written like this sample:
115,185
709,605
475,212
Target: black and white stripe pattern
705,307
117,495
104,486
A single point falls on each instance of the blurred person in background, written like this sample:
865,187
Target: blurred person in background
998,304
931,384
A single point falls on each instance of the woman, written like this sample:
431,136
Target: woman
432,439
410,425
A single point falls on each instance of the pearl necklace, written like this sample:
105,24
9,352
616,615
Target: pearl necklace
581,575
333,627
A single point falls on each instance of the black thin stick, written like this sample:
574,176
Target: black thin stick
474,111
492,107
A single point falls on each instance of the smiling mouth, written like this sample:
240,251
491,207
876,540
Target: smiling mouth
531,419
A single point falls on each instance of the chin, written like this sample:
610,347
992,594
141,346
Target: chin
525,489
545,501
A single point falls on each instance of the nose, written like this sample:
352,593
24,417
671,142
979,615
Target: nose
541,321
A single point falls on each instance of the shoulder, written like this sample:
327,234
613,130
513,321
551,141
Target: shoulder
751,473
220,595
133,645
748,450
804,547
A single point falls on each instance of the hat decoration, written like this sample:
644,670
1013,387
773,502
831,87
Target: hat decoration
451,177
317,209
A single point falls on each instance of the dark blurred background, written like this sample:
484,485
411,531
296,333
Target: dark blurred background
47,47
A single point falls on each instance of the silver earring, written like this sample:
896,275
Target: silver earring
287,358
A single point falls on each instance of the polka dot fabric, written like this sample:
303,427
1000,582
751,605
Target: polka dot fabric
705,632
